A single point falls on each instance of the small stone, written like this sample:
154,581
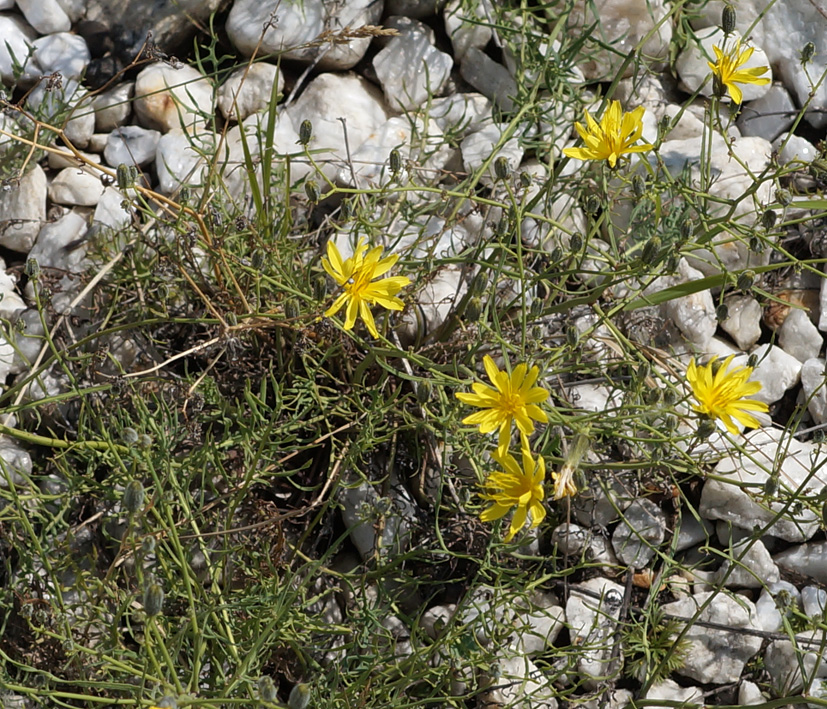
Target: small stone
693,314
249,90
811,556
109,210
22,210
76,187
814,385
754,567
179,161
17,46
641,530
749,694
167,97
488,77
768,116
571,539
112,107
436,301
672,692
461,114
46,16
772,598
64,53
410,70
776,370
131,145
58,161
67,107
478,147
792,148
743,322
813,601
799,337
468,26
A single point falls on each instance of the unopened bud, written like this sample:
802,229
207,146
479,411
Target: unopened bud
129,436
771,486
808,53
556,254
424,389
124,176
752,361
687,228
728,19
783,197
768,219
32,268
706,428
651,250
305,132
746,279
576,243
756,245
395,161
592,203
525,179
257,259
153,599
144,441
639,186
501,168
133,496
299,697
320,286
148,545
721,312
473,308
572,336
291,309
311,189
267,689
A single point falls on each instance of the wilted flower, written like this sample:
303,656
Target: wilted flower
727,74
721,393
612,137
355,275
513,398
515,486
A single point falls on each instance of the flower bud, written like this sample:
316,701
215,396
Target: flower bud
721,312
291,309
746,279
651,250
639,186
32,268
752,361
525,179
728,19
305,132
153,599
129,436
257,259
124,176
572,336
473,308
311,189
395,161
148,545
687,228
299,697
424,389
592,203
320,286
144,441
576,243
133,496
706,427
783,197
501,168
756,245
267,689
771,486
556,254
808,53
669,397
768,219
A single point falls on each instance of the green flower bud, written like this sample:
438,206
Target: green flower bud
783,197
291,309
148,545
124,176
572,336
706,427
808,53
299,697
129,436
669,397
473,309
305,132
728,19
525,179
267,689
771,486
32,269
133,496
687,228
752,361
395,161
591,204
756,245
639,186
651,250
768,219
153,599
576,243
556,254
746,279
501,168
424,390
311,189
144,441
320,286
721,312
257,259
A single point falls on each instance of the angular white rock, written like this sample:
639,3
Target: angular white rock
461,114
131,145
488,77
16,47
23,209
248,90
112,107
785,662
694,71
749,694
327,99
46,16
109,210
743,321
641,531
67,106
774,596
776,370
794,147
814,385
571,539
766,449
799,337
811,557
478,147
168,97
435,302
622,24
693,314
517,684
591,613
813,601
468,26
754,567
76,187
410,70
179,161
64,53
716,656
768,116
673,692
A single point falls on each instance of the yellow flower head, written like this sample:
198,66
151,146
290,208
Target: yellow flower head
515,486
513,398
726,71
720,393
355,275
613,137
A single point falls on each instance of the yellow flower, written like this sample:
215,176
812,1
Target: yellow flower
513,398
518,487
355,275
612,138
727,74
564,483
720,393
